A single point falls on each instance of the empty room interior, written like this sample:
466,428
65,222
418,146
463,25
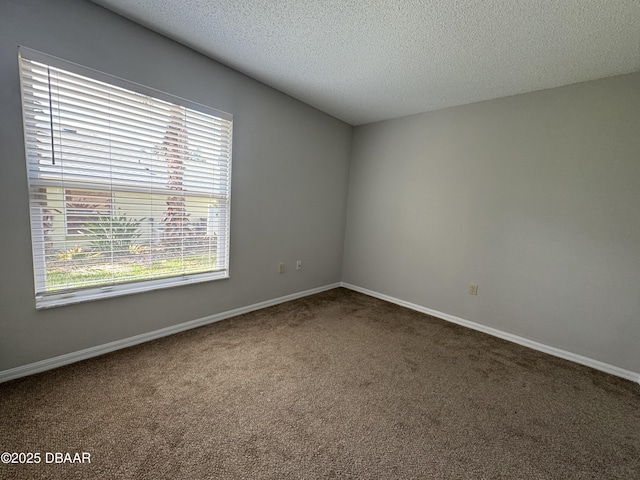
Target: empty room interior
320,239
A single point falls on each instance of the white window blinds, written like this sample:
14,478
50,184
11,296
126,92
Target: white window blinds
129,187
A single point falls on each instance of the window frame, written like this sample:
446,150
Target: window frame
54,299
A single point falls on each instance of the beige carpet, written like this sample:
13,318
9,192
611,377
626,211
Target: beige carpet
337,385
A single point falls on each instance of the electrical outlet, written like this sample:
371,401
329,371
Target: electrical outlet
299,265
473,289
281,268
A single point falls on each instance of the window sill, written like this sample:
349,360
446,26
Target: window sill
88,295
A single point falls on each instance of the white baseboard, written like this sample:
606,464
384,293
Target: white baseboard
73,357
589,362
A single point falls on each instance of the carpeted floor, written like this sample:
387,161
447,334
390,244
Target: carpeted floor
337,385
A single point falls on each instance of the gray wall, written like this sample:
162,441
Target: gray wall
534,197
288,194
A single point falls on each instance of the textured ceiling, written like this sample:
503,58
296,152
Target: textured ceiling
369,60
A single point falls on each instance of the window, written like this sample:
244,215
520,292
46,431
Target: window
129,187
